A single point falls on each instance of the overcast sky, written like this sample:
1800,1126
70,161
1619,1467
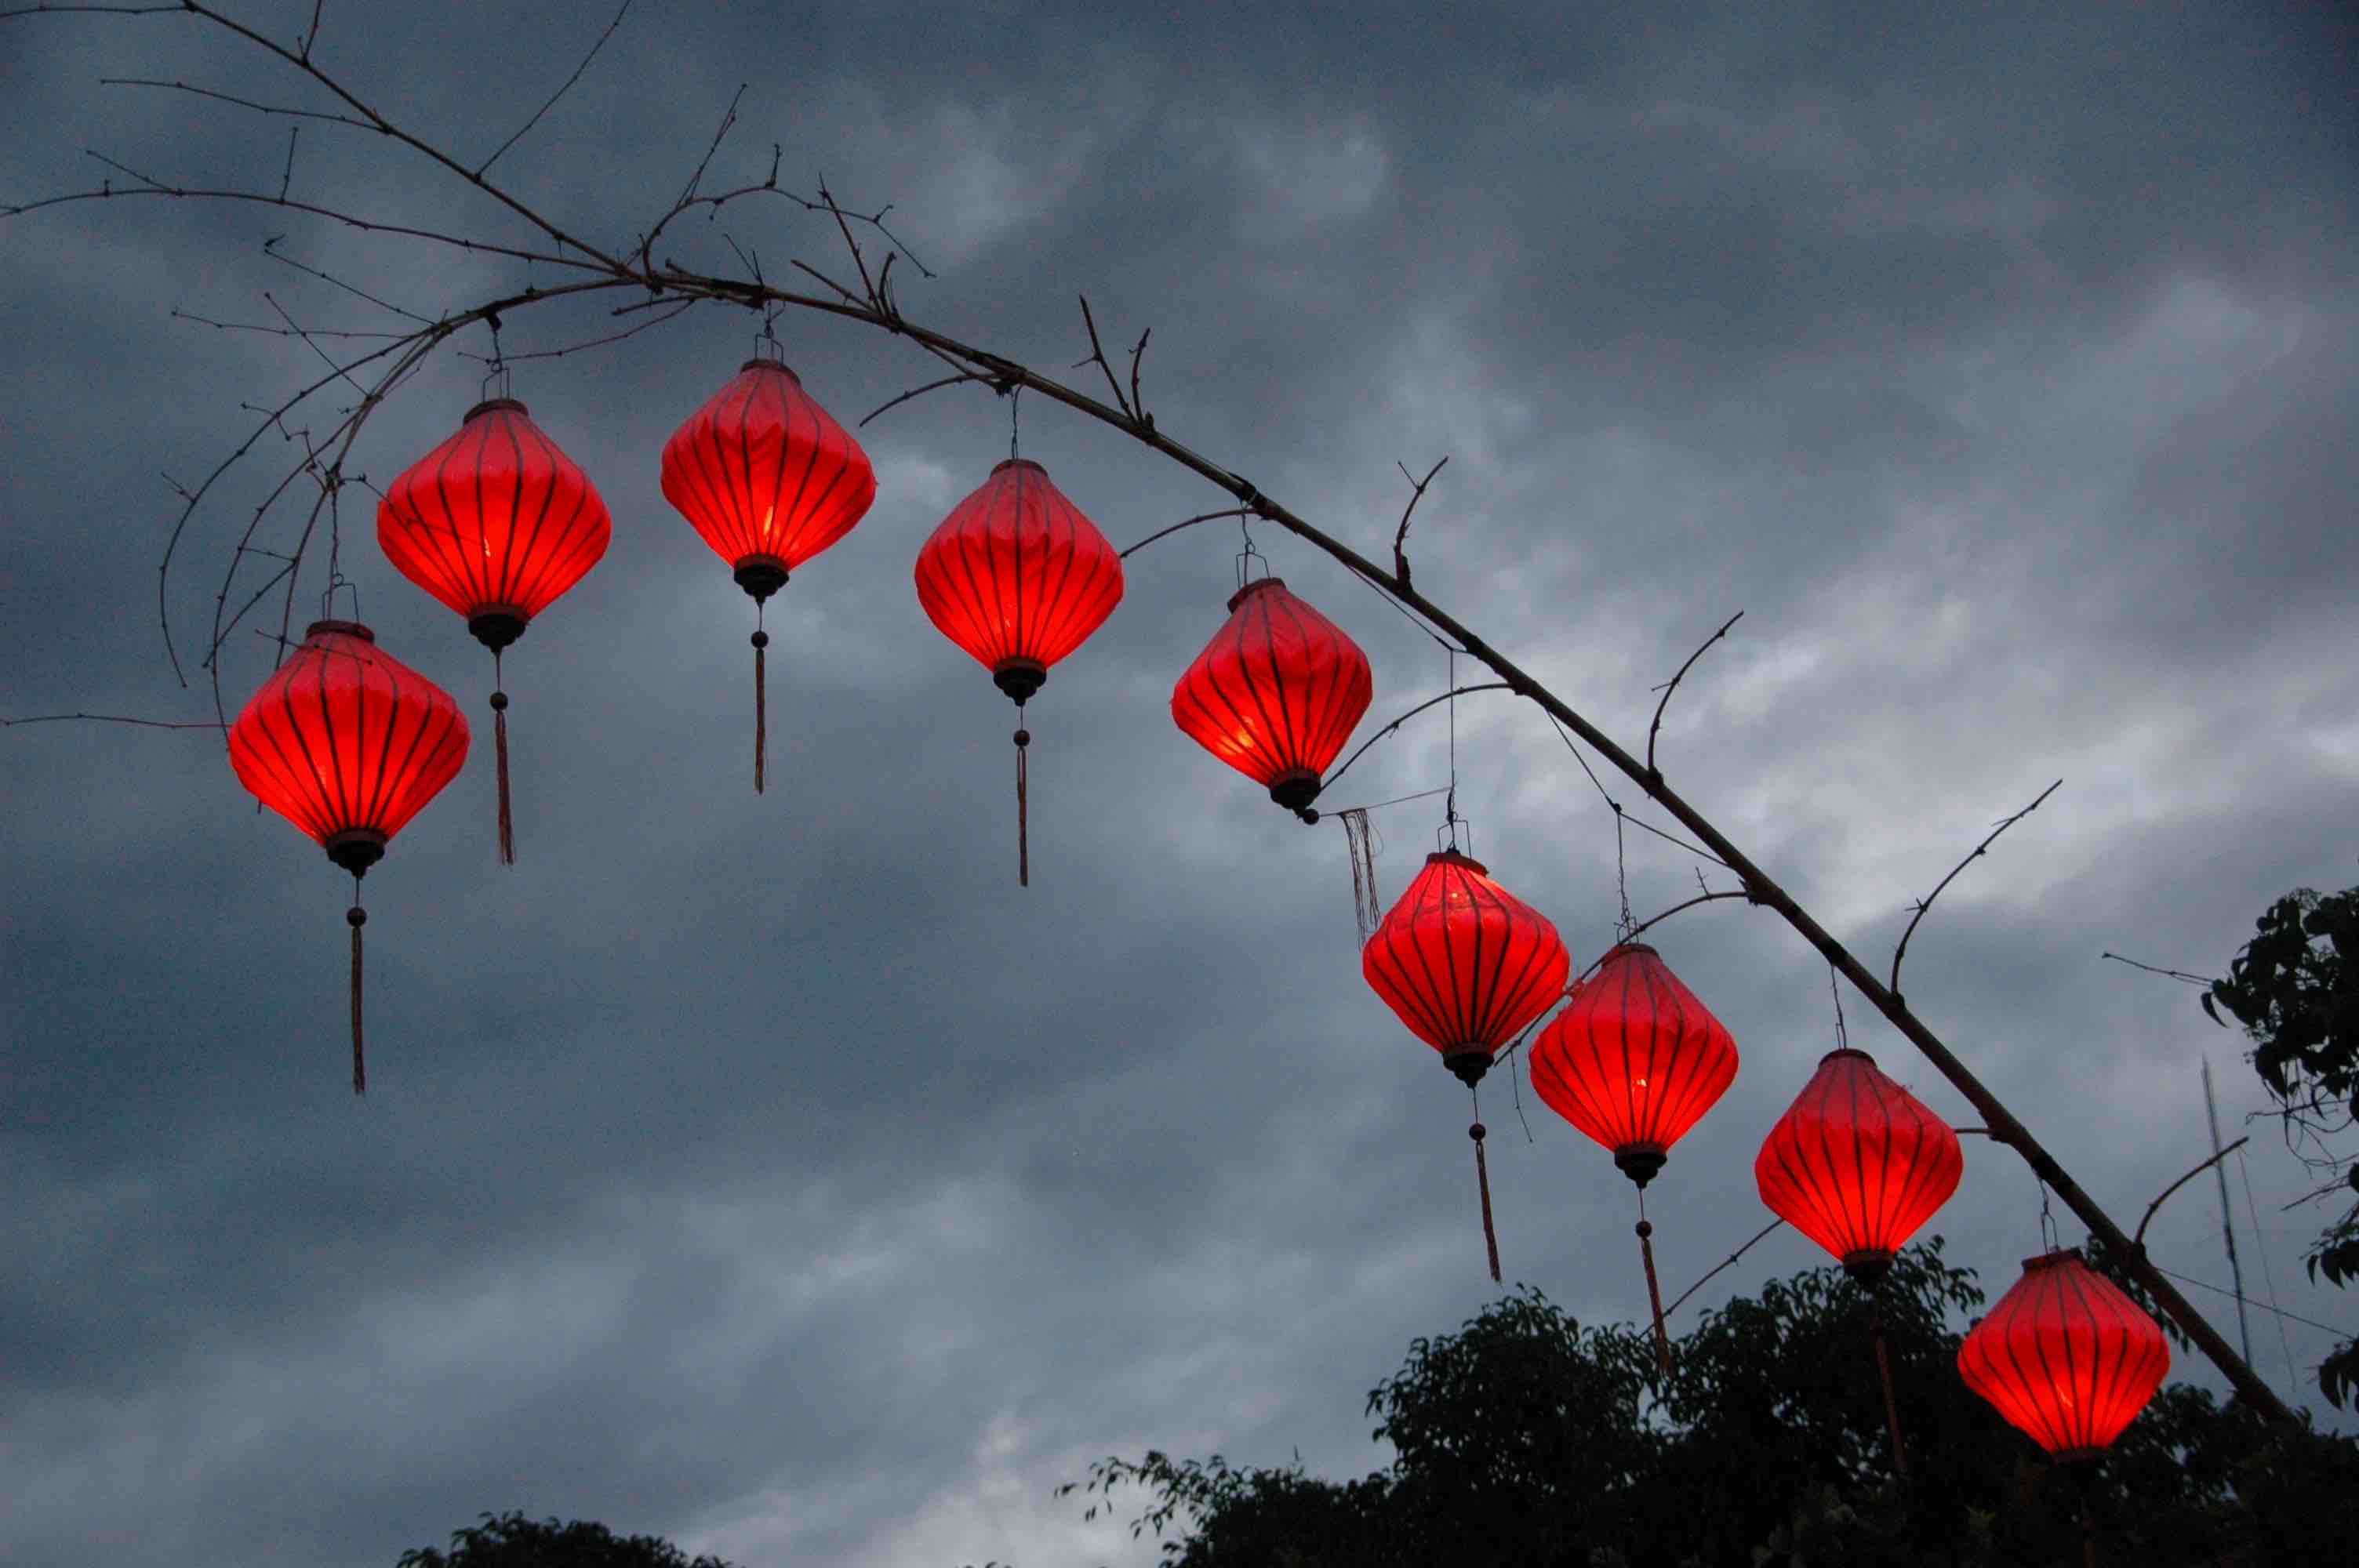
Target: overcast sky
772,1172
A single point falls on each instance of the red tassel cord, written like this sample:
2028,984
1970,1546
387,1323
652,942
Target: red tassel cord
1023,831
1482,1180
1655,1295
1891,1402
500,741
357,917
761,709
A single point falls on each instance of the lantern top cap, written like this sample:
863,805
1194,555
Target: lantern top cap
340,628
1252,588
2050,1259
779,365
1019,463
493,405
1847,1050
1620,948
1447,856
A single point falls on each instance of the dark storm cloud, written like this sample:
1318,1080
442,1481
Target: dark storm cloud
771,1171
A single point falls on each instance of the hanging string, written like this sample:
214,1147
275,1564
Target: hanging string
1449,804
1626,924
1015,404
1360,840
357,917
761,699
1023,830
2048,1240
1483,1182
500,742
1654,1288
1843,1035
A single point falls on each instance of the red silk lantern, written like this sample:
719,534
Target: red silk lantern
1858,1163
768,478
2066,1357
496,522
348,743
1634,1061
1276,693
1466,965
1017,577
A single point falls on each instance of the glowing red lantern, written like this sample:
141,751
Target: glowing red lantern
1017,577
1466,965
348,743
768,478
1276,693
2066,1357
496,522
1858,1163
1634,1060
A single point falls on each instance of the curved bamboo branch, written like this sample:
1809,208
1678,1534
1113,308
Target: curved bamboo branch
877,310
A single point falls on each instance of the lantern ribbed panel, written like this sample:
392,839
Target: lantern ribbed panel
2066,1357
496,520
1633,1060
345,737
1015,573
1465,962
764,473
1857,1163
1277,690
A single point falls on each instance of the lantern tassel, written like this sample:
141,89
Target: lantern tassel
1023,829
500,743
1482,1181
761,708
1891,1402
357,917
1655,1296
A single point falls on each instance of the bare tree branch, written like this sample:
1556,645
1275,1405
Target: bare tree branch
553,97
1415,493
1420,708
2167,974
1927,901
1673,685
333,119
1187,522
109,718
1097,357
2139,1239
1719,1266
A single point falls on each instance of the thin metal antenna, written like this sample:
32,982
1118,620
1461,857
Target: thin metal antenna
2227,1231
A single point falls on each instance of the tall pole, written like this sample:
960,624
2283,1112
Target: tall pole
2227,1229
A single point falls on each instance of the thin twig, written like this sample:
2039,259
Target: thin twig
270,248
1420,708
1189,523
1415,493
2167,974
1097,357
2138,1238
1927,901
195,91
1672,685
963,375
553,97
110,719
1722,1264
